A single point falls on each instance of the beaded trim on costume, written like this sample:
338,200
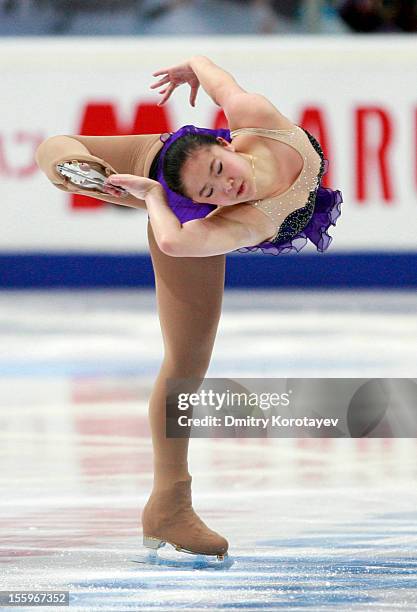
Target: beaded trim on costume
286,210
299,218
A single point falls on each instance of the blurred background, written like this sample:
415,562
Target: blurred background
175,17
80,342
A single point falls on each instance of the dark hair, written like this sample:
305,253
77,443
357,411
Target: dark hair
177,155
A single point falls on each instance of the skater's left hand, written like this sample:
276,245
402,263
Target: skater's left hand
138,186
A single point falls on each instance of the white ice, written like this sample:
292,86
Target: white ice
319,524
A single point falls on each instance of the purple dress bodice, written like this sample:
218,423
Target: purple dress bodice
310,222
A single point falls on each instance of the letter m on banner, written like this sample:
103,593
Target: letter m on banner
101,119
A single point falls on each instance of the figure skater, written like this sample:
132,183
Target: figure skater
207,192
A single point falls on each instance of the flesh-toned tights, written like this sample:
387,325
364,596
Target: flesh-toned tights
189,293
189,290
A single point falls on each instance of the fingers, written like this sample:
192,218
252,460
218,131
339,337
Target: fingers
169,91
159,72
114,192
117,179
160,83
193,95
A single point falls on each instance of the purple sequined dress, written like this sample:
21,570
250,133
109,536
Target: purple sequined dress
311,222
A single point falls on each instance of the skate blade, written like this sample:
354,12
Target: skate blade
156,543
87,179
173,556
170,557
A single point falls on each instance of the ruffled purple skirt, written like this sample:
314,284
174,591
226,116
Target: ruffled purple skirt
326,211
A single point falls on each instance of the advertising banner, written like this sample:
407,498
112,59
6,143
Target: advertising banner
355,95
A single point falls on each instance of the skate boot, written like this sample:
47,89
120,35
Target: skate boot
168,517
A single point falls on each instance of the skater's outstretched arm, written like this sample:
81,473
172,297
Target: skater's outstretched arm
210,236
242,109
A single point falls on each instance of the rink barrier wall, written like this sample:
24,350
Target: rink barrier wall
328,271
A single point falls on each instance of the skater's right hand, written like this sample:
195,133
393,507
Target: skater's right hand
138,186
172,78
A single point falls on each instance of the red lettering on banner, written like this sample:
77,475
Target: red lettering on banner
101,119
33,140
312,119
371,160
220,121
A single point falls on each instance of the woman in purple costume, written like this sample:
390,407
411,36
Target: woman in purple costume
255,187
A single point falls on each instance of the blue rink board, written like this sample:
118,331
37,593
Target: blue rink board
342,270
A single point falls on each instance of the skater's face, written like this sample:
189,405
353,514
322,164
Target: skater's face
218,175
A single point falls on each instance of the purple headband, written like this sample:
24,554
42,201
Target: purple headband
184,208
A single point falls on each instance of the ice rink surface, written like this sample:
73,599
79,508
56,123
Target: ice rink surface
313,524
